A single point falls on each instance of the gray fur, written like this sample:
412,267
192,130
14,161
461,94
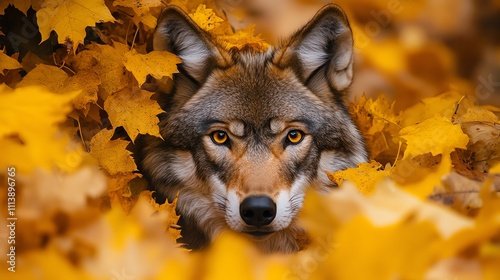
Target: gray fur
256,98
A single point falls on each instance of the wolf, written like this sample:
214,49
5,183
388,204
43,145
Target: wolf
246,133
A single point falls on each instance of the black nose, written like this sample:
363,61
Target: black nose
258,210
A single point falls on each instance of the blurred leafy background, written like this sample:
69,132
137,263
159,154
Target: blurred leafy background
406,49
429,72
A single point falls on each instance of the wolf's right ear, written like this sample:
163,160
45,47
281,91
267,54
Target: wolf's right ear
322,50
177,33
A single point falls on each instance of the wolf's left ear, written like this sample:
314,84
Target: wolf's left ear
176,32
323,47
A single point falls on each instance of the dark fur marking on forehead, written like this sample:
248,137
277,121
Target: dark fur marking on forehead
245,56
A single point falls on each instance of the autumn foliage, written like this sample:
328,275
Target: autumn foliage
74,95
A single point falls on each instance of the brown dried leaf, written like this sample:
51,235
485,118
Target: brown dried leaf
484,142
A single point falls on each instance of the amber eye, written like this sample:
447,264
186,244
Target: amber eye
219,137
295,136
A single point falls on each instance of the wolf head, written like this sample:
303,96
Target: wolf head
247,133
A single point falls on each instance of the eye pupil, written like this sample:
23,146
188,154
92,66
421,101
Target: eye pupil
295,136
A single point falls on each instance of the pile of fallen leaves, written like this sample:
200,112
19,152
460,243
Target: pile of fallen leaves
74,95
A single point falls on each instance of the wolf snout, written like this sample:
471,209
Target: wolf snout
258,210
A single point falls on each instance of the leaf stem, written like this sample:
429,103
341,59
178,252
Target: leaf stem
135,35
81,135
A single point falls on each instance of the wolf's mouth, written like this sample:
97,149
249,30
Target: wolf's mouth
259,233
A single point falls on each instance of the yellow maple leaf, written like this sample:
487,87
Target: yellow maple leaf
107,62
120,188
134,109
419,181
111,154
22,5
141,9
8,63
205,18
379,125
190,6
437,135
495,169
70,17
365,176
120,181
444,104
360,114
231,254
167,210
401,243
244,38
49,76
130,244
56,80
382,112
88,82
389,221
28,128
477,113
118,218
157,63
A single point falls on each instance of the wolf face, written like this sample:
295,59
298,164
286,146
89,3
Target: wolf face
246,133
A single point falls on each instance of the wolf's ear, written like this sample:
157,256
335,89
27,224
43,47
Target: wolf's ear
177,33
323,47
